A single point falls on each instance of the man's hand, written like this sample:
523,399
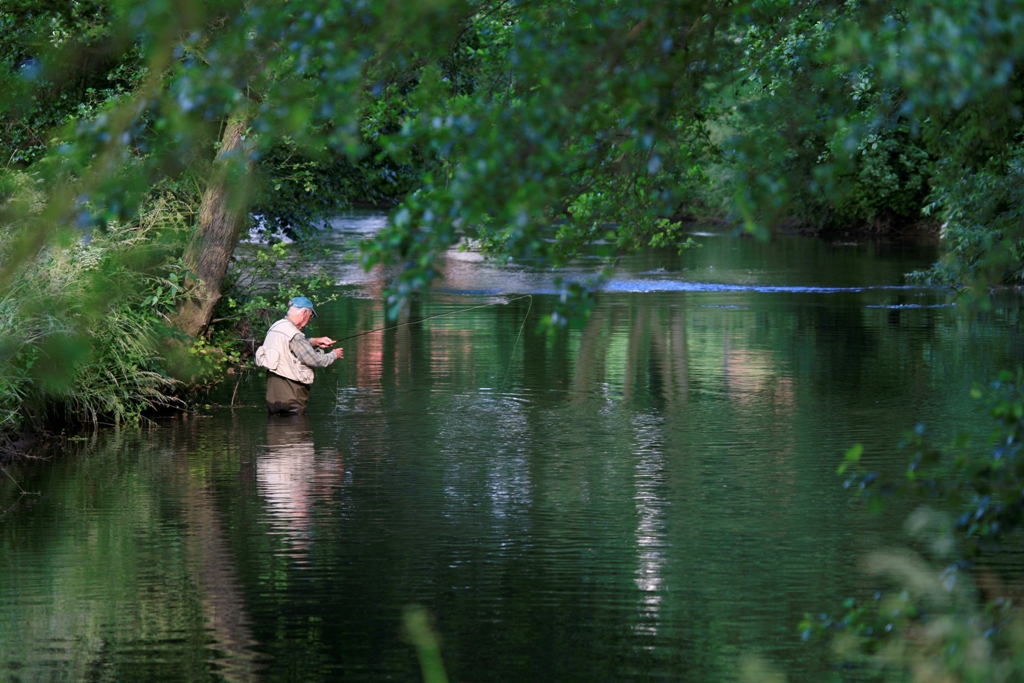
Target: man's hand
321,342
339,352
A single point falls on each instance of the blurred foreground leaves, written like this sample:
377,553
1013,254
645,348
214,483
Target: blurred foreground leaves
949,609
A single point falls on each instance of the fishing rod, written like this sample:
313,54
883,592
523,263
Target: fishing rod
460,310
522,326
423,320
440,315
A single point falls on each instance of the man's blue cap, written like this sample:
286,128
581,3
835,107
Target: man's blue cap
302,302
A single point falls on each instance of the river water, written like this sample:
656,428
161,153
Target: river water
649,497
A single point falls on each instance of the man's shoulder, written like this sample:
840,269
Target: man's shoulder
286,326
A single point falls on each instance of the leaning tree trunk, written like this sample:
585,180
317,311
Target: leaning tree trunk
221,218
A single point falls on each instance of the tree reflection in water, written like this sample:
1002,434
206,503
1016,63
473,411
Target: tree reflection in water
213,570
290,480
654,358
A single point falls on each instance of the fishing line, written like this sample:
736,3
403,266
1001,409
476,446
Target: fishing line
522,326
441,315
516,345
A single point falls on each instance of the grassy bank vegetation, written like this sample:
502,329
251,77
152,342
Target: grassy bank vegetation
83,321
87,323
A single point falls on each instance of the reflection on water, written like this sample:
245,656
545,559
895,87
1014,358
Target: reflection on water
655,350
122,570
227,625
643,499
494,433
650,533
285,476
290,478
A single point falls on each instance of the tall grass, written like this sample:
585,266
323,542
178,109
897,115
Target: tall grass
83,323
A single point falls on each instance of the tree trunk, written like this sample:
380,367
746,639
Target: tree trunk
221,218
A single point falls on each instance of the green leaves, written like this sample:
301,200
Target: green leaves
570,123
851,458
534,128
576,301
938,612
982,486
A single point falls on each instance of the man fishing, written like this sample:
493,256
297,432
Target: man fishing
290,358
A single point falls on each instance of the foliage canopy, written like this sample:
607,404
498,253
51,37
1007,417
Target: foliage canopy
535,129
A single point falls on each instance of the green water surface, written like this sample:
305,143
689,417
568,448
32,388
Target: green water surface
646,499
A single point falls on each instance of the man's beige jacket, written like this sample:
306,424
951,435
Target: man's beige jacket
276,356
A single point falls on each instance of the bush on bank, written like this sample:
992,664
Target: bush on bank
83,322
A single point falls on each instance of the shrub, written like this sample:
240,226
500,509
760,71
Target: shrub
84,323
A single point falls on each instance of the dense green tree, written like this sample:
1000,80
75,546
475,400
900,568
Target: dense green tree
38,101
821,139
956,70
535,129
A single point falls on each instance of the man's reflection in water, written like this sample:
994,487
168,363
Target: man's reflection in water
291,479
